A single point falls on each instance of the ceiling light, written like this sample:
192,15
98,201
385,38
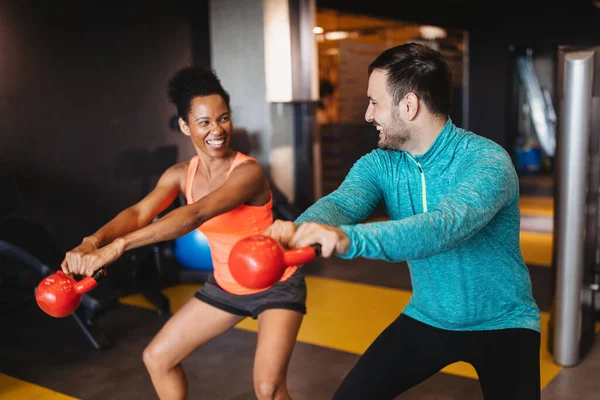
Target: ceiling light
337,35
432,32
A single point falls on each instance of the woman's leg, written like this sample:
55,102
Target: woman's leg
195,324
277,332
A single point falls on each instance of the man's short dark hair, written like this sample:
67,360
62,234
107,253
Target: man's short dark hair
416,68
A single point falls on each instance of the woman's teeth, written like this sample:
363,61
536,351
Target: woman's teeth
216,143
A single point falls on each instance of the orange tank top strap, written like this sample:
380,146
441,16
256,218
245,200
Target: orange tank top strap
239,159
189,179
193,168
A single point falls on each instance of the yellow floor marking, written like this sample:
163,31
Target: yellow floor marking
536,206
348,316
177,296
16,389
536,248
548,370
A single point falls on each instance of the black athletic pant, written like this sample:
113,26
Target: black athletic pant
407,352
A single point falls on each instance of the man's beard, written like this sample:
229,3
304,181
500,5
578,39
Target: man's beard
395,135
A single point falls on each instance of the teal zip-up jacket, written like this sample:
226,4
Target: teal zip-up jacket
454,217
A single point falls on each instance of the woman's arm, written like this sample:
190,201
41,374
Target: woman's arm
245,183
128,220
141,213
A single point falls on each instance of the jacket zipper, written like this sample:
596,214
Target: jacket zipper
423,185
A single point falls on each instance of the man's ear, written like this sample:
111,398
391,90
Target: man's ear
411,106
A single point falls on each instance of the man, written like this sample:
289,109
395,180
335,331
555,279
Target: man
453,201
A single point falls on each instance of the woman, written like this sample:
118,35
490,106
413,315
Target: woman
228,197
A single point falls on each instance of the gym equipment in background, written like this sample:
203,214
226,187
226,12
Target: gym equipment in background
192,251
28,253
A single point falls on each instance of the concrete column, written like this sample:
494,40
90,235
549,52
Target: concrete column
265,54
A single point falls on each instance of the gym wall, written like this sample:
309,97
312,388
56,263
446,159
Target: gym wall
83,102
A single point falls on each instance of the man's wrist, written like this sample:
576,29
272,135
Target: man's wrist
346,242
120,245
343,243
93,240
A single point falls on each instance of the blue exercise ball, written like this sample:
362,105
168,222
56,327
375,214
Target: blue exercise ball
193,251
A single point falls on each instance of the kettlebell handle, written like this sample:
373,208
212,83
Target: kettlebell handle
317,248
301,255
90,282
99,274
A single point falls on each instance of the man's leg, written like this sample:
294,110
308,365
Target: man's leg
406,353
508,363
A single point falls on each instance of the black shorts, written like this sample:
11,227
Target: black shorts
289,295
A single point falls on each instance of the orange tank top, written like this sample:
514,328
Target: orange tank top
224,230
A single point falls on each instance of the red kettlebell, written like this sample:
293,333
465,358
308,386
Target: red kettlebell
258,262
59,294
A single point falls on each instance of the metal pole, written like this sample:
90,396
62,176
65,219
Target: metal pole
572,178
